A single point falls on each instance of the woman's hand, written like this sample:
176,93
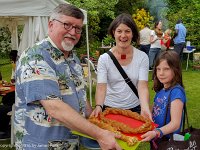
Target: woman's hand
146,113
148,136
96,111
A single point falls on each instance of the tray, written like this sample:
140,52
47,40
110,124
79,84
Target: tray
122,144
126,120
4,89
129,121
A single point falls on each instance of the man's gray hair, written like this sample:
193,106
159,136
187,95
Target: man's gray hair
67,10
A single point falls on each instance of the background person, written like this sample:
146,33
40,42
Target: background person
167,84
112,90
166,41
145,39
13,58
50,90
179,38
155,40
6,107
7,101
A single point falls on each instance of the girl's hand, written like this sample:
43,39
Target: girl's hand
96,111
148,136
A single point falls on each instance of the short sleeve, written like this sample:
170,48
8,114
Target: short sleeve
102,69
144,68
178,93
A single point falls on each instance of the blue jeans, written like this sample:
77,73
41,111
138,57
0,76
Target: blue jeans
89,143
145,48
153,53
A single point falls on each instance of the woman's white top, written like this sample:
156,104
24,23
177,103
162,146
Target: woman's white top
157,43
119,94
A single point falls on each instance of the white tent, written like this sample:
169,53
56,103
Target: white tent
33,14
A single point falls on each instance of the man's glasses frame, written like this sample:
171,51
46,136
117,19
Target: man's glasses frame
69,26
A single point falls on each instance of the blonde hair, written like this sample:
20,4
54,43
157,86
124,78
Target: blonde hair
168,31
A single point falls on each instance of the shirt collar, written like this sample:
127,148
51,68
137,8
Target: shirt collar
52,43
70,57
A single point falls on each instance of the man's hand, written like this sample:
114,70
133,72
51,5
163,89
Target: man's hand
107,141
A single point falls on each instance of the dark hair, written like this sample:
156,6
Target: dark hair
179,21
13,55
67,10
174,63
156,23
147,25
127,20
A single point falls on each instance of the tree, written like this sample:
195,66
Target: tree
142,18
5,41
97,10
189,12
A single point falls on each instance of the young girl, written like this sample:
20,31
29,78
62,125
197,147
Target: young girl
165,42
168,86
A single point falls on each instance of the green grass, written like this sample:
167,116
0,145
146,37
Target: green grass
191,80
6,71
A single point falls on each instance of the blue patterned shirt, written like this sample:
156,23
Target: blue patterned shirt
43,73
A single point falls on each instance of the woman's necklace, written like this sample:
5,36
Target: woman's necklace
123,56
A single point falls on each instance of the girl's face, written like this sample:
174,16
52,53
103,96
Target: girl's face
164,73
123,36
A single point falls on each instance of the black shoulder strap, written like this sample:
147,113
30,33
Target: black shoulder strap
123,73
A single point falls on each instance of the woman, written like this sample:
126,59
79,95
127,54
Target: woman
155,40
112,90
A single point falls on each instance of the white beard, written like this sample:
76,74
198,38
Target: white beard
67,46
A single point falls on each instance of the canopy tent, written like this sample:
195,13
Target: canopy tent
34,15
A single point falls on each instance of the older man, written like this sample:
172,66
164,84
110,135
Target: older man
50,90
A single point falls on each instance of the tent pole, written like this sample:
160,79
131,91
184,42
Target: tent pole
89,71
14,35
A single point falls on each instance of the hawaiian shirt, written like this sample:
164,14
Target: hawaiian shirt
43,73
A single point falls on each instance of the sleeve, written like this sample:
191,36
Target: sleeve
178,93
102,69
152,33
176,27
144,67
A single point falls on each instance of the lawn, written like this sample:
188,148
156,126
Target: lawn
191,80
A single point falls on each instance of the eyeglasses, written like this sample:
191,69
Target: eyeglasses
69,26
